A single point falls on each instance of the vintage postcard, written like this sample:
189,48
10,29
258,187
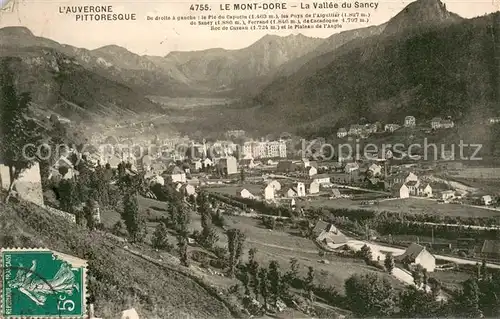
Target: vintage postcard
250,159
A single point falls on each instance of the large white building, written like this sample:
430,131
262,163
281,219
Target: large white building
273,149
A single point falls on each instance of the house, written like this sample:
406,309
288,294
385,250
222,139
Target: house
312,171
306,162
247,163
286,167
417,254
314,187
228,165
207,163
158,167
400,191
188,190
269,192
436,123
145,163
391,127
350,167
336,193
291,192
245,193
486,200
375,169
410,121
355,129
491,249
447,195
424,190
413,187
341,133
494,120
301,189
328,234
196,165
113,161
175,174
322,179
275,184
156,179
401,178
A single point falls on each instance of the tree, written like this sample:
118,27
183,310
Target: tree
366,253
369,295
469,299
309,283
264,285
274,276
208,237
417,274
242,175
67,195
253,269
484,270
160,237
17,131
389,262
182,222
130,215
245,280
415,303
89,214
235,240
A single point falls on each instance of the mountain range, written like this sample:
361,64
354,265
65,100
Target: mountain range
425,61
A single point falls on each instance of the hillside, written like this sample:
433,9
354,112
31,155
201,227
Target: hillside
243,69
60,84
119,279
450,70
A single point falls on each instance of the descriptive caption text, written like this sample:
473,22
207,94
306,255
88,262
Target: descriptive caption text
243,16
239,16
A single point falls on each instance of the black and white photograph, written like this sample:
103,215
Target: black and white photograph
254,159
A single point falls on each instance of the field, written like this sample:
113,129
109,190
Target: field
282,246
405,206
479,173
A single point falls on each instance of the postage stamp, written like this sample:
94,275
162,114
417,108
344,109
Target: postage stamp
41,283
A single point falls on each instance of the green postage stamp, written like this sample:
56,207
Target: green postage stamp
41,283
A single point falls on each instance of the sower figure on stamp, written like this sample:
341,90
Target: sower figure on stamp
38,290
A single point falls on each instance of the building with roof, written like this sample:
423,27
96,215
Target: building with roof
391,127
417,254
327,233
400,191
486,200
269,192
424,190
410,121
491,249
275,184
322,179
245,193
341,133
175,174
311,171
314,187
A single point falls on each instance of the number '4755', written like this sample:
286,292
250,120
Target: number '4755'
200,7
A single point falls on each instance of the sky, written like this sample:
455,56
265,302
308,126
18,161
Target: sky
158,37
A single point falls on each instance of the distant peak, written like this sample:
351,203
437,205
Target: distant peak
112,48
16,31
421,13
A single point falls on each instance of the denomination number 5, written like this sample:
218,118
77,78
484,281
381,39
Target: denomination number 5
67,305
